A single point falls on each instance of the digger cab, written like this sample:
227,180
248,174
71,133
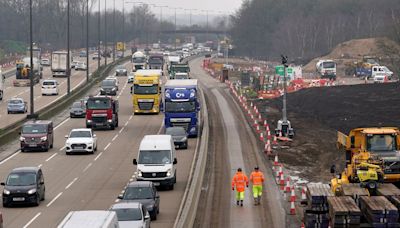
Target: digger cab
284,128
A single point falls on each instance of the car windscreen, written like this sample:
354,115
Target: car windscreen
138,59
156,60
138,89
15,102
34,129
181,76
187,106
155,157
21,179
380,143
108,83
128,214
80,134
120,67
328,64
133,193
175,131
98,103
77,105
49,83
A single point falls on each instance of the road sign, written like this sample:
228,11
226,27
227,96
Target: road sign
120,46
279,70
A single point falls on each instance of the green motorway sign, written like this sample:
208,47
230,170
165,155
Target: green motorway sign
279,70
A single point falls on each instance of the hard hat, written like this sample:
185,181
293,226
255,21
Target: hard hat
239,169
256,167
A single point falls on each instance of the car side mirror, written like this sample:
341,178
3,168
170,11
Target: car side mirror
134,161
94,136
41,183
66,136
175,161
120,197
2,183
147,216
157,196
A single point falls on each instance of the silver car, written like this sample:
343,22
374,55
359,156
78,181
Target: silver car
77,109
17,105
131,214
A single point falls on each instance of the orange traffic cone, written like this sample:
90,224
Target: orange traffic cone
282,181
262,137
265,123
258,128
302,225
292,195
276,162
267,148
292,208
303,195
287,188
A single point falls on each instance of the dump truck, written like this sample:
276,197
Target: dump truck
372,156
23,71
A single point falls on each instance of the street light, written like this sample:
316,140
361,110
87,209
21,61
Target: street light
68,54
98,39
114,33
105,32
32,107
87,41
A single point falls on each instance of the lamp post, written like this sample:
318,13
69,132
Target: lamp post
68,54
87,41
105,32
32,107
98,38
113,37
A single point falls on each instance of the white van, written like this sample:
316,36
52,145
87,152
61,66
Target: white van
157,160
380,72
90,219
49,87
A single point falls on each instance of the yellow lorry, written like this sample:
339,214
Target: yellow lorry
146,91
372,156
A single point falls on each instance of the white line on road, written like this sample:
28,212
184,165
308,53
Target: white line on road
97,157
40,165
52,156
62,123
2,162
121,130
105,148
62,148
130,117
115,137
87,167
73,181
33,219
55,198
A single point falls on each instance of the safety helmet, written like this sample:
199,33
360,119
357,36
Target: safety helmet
256,167
239,169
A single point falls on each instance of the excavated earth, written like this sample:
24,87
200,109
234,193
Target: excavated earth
317,114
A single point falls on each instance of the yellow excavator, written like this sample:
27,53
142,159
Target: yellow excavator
372,157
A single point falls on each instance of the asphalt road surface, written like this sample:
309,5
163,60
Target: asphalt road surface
84,182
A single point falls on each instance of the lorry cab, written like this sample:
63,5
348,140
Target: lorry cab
146,91
326,69
102,111
138,60
157,161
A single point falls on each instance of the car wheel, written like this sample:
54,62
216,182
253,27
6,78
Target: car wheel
5,204
44,195
95,149
112,126
92,152
171,187
153,215
37,200
8,112
51,146
158,210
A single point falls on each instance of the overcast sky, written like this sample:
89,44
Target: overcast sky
227,6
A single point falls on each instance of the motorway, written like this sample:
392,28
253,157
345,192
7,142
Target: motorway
77,78
83,182
232,145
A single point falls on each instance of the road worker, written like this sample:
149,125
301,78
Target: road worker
257,180
239,181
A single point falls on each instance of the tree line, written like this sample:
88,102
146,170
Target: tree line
307,28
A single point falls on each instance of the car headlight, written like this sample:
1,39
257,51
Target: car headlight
139,173
44,138
89,121
109,121
32,191
21,138
169,173
193,129
113,89
6,192
184,138
101,89
149,207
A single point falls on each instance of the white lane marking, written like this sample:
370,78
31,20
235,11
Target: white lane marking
8,87
105,148
33,219
126,123
62,148
87,167
130,117
121,130
73,181
98,156
40,165
52,156
79,84
53,200
2,162
161,127
62,123
115,137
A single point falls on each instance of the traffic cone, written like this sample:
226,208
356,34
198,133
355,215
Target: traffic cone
287,188
265,123
275,142
267,149
282,181
259,117
386,79
268,134
277,176
262,137
251,104
255,121
302,225
292,208
276,162
258,128
292,195
303,195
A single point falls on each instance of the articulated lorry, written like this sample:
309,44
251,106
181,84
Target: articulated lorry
139,61
59,63
182,68
156,62
181,105
102,112
146,91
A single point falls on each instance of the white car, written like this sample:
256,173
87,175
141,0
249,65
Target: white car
81,140
131,77
74,63
45,62
50,87
112,77
81,66
131,214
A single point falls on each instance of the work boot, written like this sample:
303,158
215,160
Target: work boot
237,202
259,200
241,203
255,201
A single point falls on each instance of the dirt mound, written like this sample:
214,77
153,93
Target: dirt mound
354,50
318,113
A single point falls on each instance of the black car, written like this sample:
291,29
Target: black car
143,192
77,109
179,135
121,70
108,87
24,186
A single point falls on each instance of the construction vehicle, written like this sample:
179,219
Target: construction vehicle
363,68
372,156
101,111
326,69
146,91
23,71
